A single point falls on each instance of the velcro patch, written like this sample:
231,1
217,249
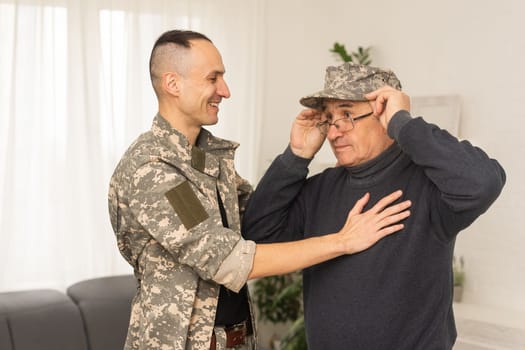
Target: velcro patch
198,158
186,204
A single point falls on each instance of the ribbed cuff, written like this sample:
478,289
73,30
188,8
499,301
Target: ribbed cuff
292,161
397,122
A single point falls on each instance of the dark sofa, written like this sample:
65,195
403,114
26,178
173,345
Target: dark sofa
91,315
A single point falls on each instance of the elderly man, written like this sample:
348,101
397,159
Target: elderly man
398,294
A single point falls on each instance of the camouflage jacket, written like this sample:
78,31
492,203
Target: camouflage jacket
164,211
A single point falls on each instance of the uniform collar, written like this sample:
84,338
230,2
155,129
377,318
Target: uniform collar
204,156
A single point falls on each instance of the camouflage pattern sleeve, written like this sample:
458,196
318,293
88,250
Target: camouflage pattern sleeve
233,272
164,201
244,191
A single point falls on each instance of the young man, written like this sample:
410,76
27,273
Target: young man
397,294
175,202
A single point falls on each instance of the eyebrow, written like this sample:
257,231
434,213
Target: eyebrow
330,116
214,73
217,72
341,105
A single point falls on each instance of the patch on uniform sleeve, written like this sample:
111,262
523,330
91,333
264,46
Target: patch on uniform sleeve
186,204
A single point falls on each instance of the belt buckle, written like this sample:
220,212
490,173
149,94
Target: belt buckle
236,327
239,333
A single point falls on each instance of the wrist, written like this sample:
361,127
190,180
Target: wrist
301,153
397,122
334,243
291,156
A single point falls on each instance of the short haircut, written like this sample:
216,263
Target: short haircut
168,50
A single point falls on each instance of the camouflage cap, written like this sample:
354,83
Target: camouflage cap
350,81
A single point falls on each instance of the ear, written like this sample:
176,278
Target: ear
171,83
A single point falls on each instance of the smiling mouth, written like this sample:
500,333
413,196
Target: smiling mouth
214,104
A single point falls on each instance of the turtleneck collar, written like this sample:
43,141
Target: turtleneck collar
380,167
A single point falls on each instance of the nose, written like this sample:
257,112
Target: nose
222,89
333,132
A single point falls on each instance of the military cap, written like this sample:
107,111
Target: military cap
350,81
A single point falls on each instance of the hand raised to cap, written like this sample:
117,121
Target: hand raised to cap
305,138
386,101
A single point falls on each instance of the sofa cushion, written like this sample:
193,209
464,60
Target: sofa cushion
105,305
42,319
5,337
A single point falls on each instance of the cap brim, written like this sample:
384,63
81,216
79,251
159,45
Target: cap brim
316,100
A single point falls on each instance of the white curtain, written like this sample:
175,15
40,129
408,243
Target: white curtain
74,92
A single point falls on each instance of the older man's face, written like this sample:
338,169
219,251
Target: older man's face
358,141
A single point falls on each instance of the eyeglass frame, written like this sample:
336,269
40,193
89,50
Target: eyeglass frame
320,125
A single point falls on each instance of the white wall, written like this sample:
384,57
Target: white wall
470,48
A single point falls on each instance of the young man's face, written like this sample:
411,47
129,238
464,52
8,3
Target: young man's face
203,85
357,142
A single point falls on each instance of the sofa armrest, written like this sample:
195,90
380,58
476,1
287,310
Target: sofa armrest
105,305
43,319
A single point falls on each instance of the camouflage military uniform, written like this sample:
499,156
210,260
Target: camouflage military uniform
164,211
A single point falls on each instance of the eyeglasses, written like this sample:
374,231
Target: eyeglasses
345,123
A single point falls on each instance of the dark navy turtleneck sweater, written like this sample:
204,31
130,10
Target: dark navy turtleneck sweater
397,294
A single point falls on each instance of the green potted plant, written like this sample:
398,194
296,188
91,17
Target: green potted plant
458,272
361,56
279,299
